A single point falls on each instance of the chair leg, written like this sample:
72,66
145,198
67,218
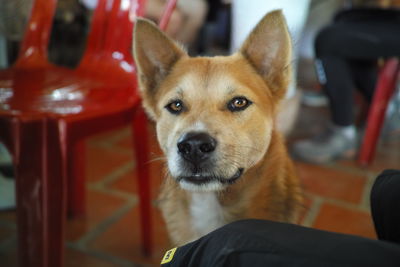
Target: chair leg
76,180
40,191
384,90
143,174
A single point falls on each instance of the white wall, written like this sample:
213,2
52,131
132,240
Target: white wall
246,14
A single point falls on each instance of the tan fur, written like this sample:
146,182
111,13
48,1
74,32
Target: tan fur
268,188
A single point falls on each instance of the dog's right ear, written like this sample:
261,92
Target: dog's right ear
155,54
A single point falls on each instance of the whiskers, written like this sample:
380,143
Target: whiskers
234,156
156,159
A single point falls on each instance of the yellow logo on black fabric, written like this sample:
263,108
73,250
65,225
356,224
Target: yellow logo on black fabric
168,256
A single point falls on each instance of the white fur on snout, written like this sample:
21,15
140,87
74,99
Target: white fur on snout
174,159
174,163
207,213
198,126
210,186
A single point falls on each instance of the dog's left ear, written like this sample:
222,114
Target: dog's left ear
268,49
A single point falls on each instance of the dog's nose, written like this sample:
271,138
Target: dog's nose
196,146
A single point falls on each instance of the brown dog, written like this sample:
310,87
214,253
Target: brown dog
215,124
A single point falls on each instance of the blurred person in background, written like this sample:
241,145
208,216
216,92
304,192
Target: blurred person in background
186,20
347,52
13,18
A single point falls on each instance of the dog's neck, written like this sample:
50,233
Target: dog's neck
206,212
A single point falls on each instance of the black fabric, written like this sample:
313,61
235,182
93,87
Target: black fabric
385,206
265,243
348,50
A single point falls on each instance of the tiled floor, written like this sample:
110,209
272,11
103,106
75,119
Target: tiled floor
336,200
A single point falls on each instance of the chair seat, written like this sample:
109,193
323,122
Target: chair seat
61,92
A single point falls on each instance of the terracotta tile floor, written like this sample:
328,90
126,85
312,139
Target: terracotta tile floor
336,200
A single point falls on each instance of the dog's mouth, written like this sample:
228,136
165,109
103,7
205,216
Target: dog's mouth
200,179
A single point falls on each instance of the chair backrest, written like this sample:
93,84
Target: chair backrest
94,43
120,27
111,30
33,49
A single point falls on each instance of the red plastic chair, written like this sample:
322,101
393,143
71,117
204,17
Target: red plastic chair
46,112
384,90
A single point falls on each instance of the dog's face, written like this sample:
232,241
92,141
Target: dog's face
214,115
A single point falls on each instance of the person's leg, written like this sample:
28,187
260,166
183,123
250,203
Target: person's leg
342,75
365,73
385,205
339,87
334,74
266,243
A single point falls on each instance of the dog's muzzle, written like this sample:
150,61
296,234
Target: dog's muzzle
196,148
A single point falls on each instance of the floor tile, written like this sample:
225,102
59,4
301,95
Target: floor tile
339,219
109,136
99,207
384,159
126,141
129,183
123,239
331,183
102,161
305,209
74,258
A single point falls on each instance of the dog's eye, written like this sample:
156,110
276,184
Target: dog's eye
175,107
238,104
